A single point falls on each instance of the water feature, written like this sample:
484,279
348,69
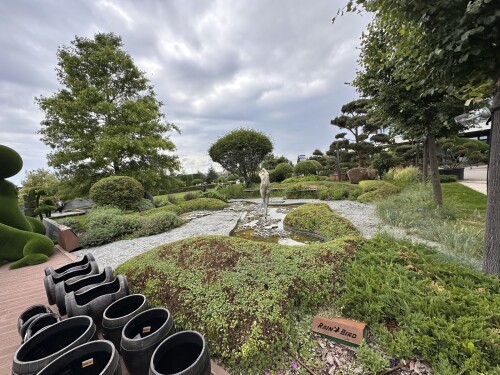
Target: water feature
253,226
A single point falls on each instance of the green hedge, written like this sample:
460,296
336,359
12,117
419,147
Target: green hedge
202,204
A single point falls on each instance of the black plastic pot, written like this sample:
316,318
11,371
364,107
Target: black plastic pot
140,337
50,281
28,315
80,284
94,301
52,342
93,358
40,322
87,258
120,313
184,353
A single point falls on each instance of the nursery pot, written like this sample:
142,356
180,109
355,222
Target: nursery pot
184,353
94,301
140,337
118,314
40,322
51,343
28,315
80,284
92,358
87,258
50,281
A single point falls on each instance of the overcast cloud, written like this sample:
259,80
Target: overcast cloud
275,66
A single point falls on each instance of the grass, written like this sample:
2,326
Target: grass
458,225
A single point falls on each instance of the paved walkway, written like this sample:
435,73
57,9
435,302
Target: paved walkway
20,289
475,178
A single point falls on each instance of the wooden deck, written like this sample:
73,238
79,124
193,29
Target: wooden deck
22,288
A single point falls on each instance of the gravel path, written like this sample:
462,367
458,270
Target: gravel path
362,216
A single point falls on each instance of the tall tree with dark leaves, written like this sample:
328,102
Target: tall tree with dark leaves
105,120
453,47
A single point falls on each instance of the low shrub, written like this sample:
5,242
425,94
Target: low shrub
169,207
120,191
305,179
233,191
157,222
191,195
419,303
374,190
403,176
243,296
320,220
202,204
445,178
75,224
213,194
300,191
143,205
106,224
340,192
161,201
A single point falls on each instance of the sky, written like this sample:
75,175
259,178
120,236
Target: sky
279,67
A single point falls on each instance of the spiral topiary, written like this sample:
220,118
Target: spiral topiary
119,191
20,238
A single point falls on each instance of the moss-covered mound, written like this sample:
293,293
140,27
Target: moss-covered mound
318,219
244,296
202,204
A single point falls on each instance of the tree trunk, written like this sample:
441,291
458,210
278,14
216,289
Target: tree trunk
436,184
425,161
491,256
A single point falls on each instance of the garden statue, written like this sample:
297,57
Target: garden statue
264,188
22,238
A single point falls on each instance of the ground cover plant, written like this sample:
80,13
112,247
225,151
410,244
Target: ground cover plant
246,297
320,220
418,303
375,190
458,225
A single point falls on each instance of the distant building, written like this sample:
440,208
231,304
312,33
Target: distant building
481,132
301,158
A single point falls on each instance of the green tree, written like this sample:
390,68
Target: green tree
106,119
354,120
452,47
211,175
40,178
270,161
241,151
307,167
281,172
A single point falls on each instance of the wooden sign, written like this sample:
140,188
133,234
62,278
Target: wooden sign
342,330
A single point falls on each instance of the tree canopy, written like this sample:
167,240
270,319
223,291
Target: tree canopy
446,48
105,120
241,151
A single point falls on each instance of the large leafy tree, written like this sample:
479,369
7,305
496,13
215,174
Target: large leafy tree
453,47
105,120
241,151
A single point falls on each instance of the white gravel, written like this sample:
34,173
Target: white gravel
362,216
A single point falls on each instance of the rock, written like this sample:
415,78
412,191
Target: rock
329,358
359,174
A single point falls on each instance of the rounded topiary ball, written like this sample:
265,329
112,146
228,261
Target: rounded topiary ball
11,162
119,191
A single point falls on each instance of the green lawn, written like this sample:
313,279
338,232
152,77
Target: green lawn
468,203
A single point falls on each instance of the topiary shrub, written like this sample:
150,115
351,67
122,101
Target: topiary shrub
445,178
306,167
281,172
202,204
120,191
18,241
